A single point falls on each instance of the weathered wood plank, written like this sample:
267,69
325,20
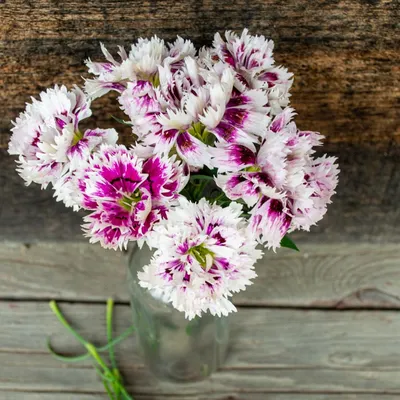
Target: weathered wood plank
46,378
327,94
261,338
234,396
338,276
271,351
344,54
335,49
12,395
344,24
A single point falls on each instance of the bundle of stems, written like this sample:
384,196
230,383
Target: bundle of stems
110,376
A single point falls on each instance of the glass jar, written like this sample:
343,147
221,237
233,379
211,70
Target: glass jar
173,347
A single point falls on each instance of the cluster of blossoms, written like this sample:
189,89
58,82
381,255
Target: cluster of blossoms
218,117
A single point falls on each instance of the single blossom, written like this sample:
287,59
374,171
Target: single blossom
66,186
192,109
136,67
47,139
257,174
171,125
250,174
309,200
280,180
126,194
269,221
203,255
252,59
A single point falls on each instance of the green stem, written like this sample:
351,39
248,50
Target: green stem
93,352
110,305
125,393
115,381
121,121
85,356
111,378
57,312
108,390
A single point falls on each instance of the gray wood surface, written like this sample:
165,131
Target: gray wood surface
235,396
278,350
272,351
339,276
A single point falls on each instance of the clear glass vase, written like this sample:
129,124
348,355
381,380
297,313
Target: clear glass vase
173,347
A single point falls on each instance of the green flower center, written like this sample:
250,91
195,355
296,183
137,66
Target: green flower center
128,201
204,256
153,79
77,137
253,168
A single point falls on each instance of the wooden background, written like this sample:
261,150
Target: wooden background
319,325
344,54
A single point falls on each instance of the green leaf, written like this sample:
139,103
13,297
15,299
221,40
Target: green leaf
288,243
201,177
121,121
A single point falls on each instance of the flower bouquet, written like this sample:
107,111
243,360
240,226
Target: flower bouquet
217,168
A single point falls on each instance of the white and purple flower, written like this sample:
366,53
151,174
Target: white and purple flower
140,65
252,174
309,200
47,139
286,186
204,254
126,194
269,221
251,58
192,109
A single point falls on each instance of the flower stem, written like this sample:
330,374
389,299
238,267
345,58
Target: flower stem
59,315
110,305
111,377
85,356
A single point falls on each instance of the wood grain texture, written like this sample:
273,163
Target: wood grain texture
344,54
326,93
224,384
271,351
7,395
331,276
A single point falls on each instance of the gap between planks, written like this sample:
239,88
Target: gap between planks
243,306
